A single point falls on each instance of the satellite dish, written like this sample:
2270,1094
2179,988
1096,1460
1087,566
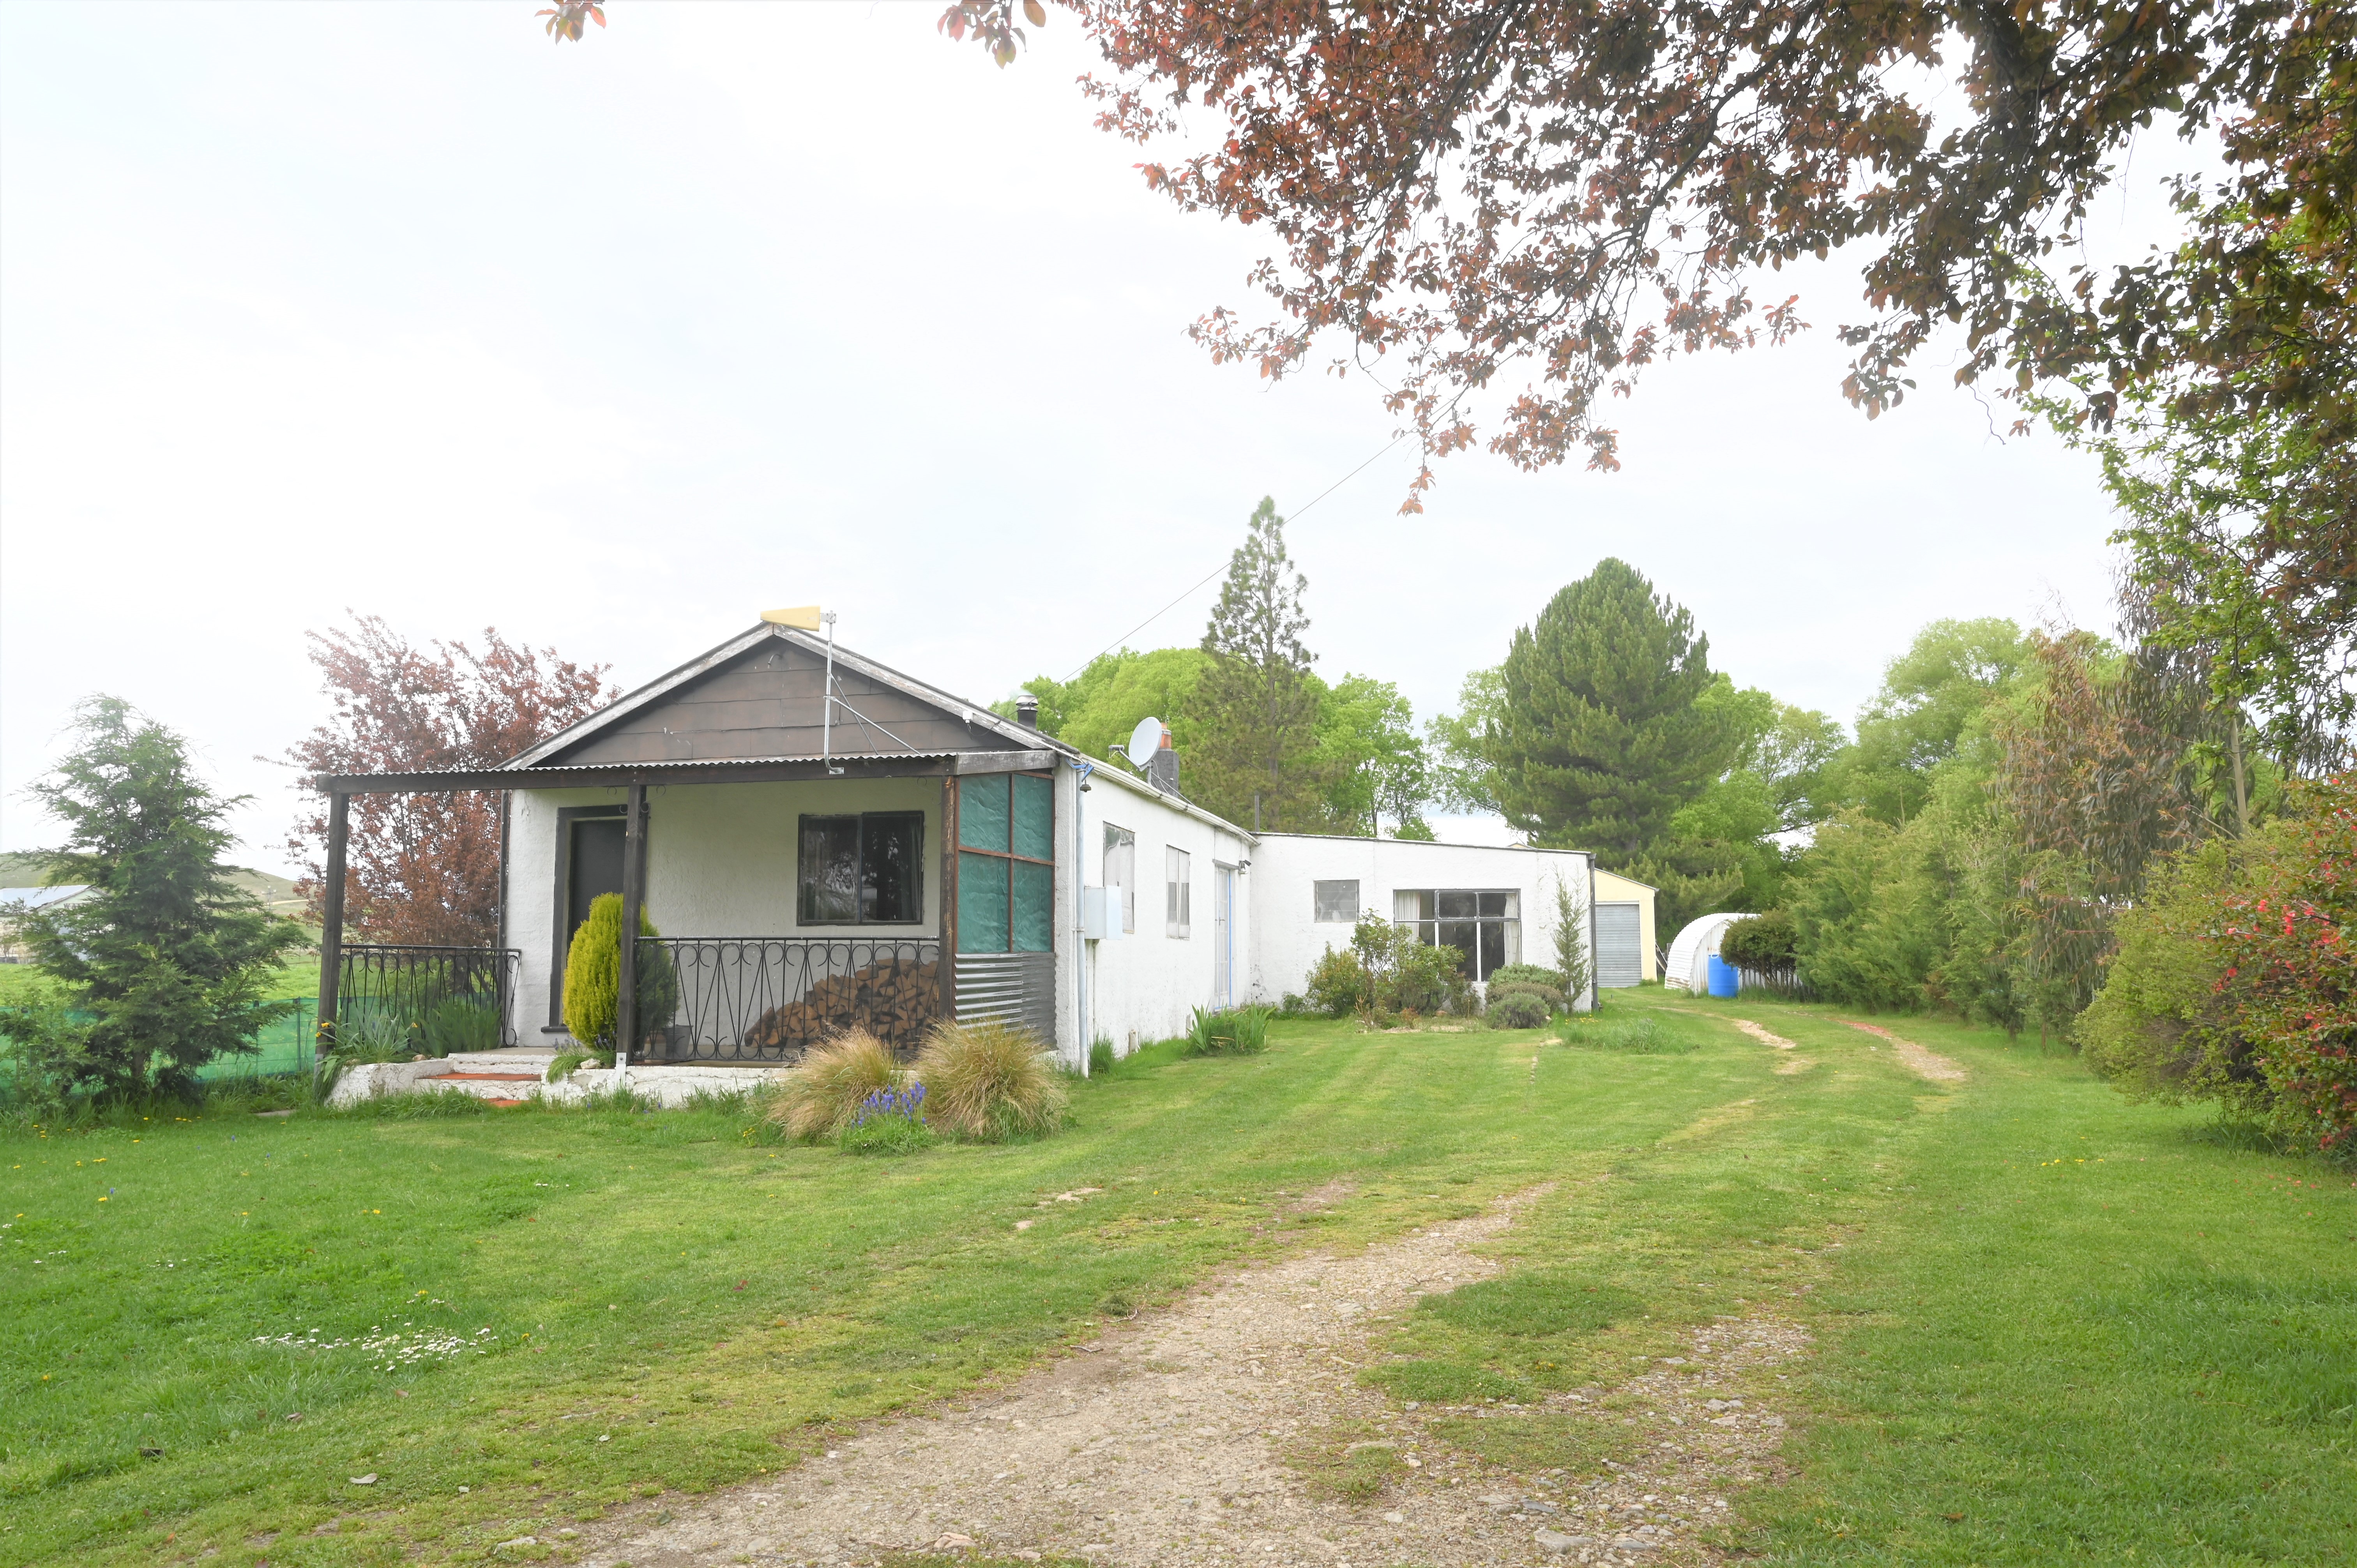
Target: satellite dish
1145,741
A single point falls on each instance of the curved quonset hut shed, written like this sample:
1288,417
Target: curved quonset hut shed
1691,953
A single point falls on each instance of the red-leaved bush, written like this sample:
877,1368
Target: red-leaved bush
2289,975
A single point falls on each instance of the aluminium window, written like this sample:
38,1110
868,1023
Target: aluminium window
1484,924
1121,871
1178,892
1007,862
1336,901
863,870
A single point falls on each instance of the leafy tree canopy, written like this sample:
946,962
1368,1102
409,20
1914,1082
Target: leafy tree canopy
1517,207
424,867
1933,701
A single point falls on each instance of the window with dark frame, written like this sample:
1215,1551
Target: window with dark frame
1007,862
1485,924
862,870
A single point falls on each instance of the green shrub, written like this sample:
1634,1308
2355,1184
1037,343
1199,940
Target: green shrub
1554,999
1517,1009
1336,986
990,1081
1101,1056
1768,943
1526,974
822,1096
1238,1031
1641,1036
592,976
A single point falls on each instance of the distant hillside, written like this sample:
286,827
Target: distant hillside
21,870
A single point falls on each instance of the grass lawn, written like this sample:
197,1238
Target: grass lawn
2052,1328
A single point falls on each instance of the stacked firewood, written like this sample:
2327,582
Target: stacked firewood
894,999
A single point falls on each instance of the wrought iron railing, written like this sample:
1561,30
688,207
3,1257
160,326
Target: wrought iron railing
429,1000
772,998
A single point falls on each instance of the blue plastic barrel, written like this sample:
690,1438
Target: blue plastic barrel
1724,982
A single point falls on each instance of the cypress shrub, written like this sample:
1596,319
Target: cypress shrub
592,976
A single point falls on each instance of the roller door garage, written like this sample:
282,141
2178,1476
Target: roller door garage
1619,945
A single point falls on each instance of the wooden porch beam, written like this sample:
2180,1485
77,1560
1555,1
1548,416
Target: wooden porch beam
331,922
774,770
634,898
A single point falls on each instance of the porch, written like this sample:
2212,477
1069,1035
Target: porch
832,892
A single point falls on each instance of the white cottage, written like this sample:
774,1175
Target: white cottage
1495,906
821,841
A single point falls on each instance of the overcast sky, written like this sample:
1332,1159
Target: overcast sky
401,309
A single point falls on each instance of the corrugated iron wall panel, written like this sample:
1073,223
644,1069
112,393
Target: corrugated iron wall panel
1020,987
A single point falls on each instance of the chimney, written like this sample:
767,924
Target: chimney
1162,767
1026,711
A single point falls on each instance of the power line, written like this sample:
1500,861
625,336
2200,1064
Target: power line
1222,566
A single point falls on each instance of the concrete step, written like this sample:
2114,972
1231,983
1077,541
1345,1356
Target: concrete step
485,1084
515,1058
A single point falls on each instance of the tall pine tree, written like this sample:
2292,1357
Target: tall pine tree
167,964
1256,705
1599,740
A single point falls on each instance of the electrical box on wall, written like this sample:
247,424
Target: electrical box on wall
1101,914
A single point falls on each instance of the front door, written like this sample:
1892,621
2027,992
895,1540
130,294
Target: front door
593,867
1224,936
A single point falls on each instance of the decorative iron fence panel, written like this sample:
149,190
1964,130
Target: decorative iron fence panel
771,998
432,1000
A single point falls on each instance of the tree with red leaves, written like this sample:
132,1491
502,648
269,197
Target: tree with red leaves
1540,198
424,868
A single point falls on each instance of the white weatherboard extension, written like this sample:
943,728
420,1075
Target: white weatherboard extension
821,841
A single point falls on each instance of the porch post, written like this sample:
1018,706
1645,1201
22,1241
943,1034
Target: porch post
948,978
634,893
331,922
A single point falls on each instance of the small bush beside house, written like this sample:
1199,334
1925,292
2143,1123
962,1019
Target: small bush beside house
593,977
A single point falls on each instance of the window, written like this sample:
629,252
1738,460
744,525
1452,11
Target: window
867,870
1006,871
1484,924
1337,900
1178,892
1121,871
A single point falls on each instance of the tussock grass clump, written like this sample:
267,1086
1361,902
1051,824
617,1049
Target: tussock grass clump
1238,1031
824,1096
990,1081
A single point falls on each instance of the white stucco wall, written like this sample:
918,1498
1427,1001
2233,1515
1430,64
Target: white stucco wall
722,859
1288,940
721,862
1144,985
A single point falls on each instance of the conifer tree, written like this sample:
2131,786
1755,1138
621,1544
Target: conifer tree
1257,703
165,965
1599,739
